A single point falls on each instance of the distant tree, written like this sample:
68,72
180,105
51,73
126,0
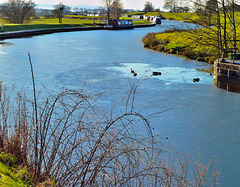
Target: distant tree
95,11
56,11
148,7
117,7
170,5
210,10
158,11
76,10
108,5
46,13
18,11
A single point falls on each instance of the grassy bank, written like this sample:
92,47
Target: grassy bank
181,42
12,172
43,23
9,176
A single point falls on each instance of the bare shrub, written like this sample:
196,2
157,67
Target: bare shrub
78,145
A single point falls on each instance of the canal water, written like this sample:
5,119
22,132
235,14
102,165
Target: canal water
206,121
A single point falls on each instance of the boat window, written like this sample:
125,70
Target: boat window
119,23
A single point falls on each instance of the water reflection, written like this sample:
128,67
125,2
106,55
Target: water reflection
227,85
4,44
226,76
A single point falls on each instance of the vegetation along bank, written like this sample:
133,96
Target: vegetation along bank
181,42
214,31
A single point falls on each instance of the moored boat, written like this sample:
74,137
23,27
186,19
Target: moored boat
158,20
114,24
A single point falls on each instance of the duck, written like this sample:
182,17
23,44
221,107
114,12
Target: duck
156,73
132,71
134,74
196,80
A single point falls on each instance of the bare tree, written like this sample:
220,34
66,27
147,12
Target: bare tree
117,7
170,5
18,11
108,5
218,17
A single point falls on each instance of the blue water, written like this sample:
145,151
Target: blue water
205,122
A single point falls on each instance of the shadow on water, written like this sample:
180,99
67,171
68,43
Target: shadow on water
227,76
227,85
5,44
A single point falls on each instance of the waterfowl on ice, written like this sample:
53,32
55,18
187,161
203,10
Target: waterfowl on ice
156,73
196,80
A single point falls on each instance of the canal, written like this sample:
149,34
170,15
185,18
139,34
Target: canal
205,124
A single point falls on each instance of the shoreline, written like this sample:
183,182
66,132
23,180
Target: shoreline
177,43
35,32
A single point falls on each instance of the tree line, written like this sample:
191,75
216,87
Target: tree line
20,11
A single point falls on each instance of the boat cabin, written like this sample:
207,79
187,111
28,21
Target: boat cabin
114,24
158,20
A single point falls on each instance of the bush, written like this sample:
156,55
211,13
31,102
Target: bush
150,40
78,145
8,159
25,175
182,42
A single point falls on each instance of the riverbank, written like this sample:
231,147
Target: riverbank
33,32
185,43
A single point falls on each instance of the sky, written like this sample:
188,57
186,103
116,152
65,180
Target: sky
128,4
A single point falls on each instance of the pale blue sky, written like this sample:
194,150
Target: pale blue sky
131,4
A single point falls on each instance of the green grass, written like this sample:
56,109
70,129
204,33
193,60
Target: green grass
141,22
82,17
183,43
181,16
135,13
45,23
9,177
198,44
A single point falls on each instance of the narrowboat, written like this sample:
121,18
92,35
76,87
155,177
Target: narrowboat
114,24
158,20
